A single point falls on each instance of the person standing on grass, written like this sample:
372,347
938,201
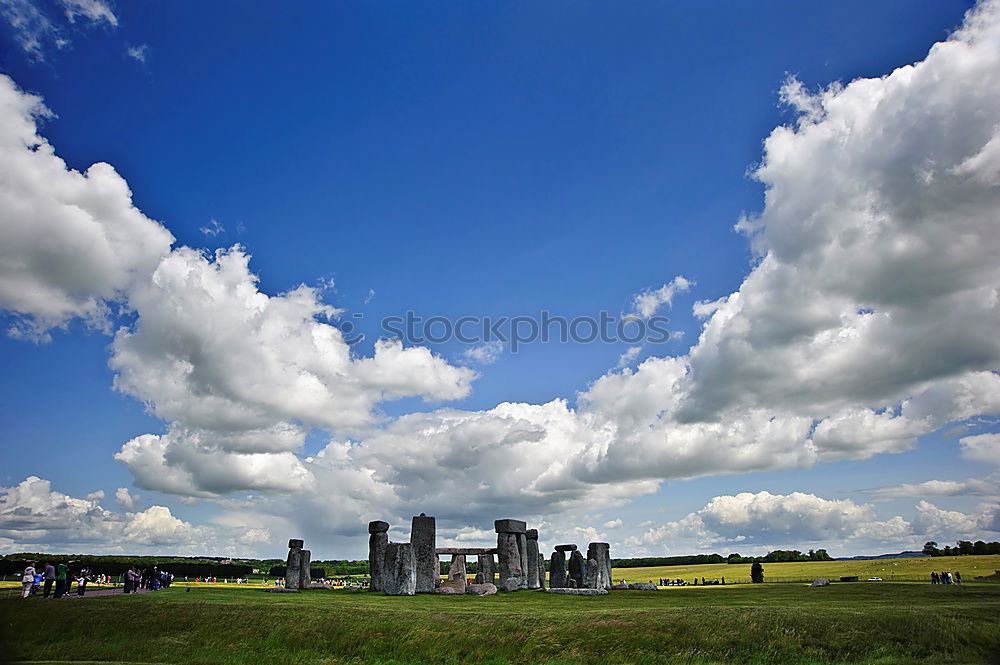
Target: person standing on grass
81,582
958,577
50,578
28,579
61,572
38,582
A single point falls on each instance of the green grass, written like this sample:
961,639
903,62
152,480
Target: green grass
876,624
918,569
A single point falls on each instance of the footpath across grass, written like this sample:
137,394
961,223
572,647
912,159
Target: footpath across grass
884,624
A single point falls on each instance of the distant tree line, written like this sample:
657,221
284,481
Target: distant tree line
116,565
695,559
315,573
962,547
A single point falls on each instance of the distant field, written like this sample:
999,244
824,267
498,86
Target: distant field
769,624
888,569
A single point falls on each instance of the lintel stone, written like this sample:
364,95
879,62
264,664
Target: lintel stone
565,548
510,526
378,526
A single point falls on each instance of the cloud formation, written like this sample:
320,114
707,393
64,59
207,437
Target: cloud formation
756,522
70,242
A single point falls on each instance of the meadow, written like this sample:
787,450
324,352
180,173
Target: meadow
774,624
900,570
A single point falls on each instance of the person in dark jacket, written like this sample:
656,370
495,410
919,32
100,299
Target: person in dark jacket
50,578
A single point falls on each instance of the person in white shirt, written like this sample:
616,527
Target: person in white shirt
27,579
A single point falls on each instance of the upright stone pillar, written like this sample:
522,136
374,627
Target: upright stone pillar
305,573
590,574
487,568
377,540
423,537
293,565
557,570
541,571
601,553
522,550
512,553
531,548
577,569
457,573
398,570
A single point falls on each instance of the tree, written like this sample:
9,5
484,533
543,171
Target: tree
964,547
756,572
931,548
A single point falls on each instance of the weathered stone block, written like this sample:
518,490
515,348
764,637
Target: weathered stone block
376,559
423,537
293,568
541,571
557,570
531,534
522,550
565,548
481,590
601,552
590,574
294,542
457,572
509,559
511,584
510,526
577,568
579,592
378,526
532,560
399,570
305,572
487,567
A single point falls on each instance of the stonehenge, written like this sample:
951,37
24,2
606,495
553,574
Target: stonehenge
405,569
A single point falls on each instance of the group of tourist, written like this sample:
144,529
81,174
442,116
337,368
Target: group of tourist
48,575
149,578
680,582
946,578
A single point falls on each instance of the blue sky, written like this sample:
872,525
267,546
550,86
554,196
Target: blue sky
501,160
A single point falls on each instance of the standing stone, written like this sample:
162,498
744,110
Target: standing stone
399,570
509,559
557,570
293,569
376,553
601,552
457,573
423,538
541,571
437,570
532,558
305,573
487,568
577,568
590,574
522,551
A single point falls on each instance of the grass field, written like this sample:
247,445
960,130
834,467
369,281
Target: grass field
773,624
918,569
